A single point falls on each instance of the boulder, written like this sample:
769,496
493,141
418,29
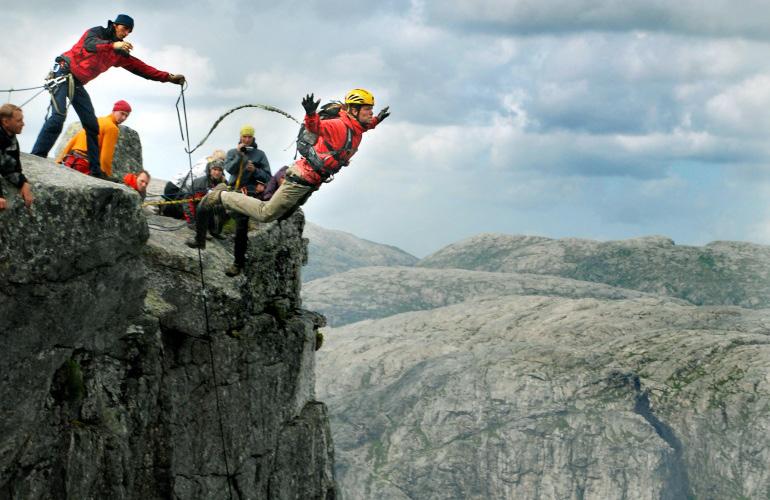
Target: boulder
128,151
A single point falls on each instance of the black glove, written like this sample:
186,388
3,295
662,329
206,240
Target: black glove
310,105
384,113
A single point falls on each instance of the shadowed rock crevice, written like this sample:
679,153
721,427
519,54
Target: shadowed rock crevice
678,482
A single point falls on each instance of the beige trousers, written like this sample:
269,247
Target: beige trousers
287,197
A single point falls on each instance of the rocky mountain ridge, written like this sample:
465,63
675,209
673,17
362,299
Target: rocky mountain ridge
536,379
331,252
721,272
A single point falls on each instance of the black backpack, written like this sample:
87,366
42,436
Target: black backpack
306,140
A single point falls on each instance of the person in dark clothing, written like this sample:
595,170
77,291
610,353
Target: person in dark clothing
98,50
249,172
247,164
274,184
180,186
11,124
202,185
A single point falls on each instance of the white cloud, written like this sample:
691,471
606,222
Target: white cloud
507,115
742,108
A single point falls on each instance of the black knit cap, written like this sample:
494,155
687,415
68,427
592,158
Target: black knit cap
125,20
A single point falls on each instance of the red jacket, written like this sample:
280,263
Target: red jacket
93,54
332,135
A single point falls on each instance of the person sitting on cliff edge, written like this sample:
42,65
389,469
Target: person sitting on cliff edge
75,152
98,50
337,141
11,124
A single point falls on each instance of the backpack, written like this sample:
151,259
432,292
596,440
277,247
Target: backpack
306,140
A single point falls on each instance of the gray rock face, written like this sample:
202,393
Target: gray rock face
113,386
128,152
332,252
719,273
552,397
536,379
378,292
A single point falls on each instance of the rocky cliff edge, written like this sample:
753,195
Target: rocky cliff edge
113,386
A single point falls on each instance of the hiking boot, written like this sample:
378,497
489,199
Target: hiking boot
194,243
233,270
214,197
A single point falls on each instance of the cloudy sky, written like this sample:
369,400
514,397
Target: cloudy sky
601,119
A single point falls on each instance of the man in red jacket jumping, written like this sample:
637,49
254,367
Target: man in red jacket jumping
98,50
337,141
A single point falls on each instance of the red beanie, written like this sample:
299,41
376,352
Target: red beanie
122,106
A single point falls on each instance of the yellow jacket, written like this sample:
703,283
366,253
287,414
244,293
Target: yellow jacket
108,138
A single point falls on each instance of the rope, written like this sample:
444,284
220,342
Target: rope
265,107
173,202
22,90
186,137
50,86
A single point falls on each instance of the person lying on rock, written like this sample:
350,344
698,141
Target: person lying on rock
75,152
11,124
98,50
138,181
336,141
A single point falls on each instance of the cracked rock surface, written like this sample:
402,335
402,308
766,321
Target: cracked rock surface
108,386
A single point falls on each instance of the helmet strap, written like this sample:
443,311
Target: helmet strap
357,108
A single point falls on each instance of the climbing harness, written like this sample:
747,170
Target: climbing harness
209,341
306,141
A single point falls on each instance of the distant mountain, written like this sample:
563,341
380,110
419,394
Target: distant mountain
378,292
719,273
331,252
551,397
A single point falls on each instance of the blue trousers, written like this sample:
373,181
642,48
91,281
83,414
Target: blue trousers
52,127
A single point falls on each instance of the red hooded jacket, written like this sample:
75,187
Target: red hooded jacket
93,54
332,135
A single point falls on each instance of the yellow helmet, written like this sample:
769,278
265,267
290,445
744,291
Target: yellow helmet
359,96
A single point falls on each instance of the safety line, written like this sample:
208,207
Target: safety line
265,107
186,137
